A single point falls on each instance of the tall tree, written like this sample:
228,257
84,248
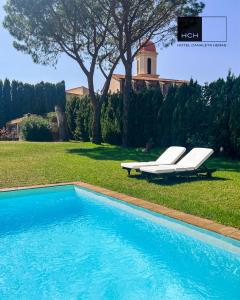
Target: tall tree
60,95
1,106
15,100
5,103
40,99
49,28
165,118
234,124
219,112
29,98
135,23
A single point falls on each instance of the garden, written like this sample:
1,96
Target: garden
189,115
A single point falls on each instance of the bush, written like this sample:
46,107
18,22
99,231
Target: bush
36,129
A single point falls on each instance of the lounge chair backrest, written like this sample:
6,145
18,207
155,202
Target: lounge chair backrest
195,158
171,155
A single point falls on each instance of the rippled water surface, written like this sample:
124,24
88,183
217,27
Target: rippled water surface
69,243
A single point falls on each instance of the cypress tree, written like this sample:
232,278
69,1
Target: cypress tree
219,96
21,105
51,97
164,136
5,103
156,104
111,119
72,107
1,101
40,99
14,100
187,114
84,120
28,100
61,95
234,124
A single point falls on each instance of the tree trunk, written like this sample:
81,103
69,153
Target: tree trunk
62,124
126,104
96,126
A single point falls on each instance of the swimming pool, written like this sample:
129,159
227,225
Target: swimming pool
70,243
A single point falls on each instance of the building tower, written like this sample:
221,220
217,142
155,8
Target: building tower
147,60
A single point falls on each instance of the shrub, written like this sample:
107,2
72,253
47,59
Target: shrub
6,135
36,129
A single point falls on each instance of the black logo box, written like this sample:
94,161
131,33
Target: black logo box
189,29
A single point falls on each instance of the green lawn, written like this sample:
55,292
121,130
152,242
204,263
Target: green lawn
218,199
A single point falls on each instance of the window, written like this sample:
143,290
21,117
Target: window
149,66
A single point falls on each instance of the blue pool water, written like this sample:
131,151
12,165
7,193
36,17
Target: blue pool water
70,243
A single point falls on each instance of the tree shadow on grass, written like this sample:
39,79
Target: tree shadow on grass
225,164
116,153
169,181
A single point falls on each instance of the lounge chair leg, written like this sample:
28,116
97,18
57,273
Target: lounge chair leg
209,174
129,172
147,177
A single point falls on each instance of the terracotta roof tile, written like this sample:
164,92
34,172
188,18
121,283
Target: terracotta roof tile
148,78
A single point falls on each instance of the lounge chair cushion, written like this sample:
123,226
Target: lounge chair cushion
170,156
194,159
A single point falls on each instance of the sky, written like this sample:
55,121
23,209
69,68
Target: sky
203,64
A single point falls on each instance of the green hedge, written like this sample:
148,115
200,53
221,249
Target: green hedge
18,99
143,122
36,129
189,115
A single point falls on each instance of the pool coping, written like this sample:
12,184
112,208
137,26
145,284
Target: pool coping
207,224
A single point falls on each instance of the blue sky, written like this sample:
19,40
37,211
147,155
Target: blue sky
202,64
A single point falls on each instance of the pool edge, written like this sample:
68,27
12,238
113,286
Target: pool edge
203,223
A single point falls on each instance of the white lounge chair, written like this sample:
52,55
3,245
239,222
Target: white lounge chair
169,157
190,164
